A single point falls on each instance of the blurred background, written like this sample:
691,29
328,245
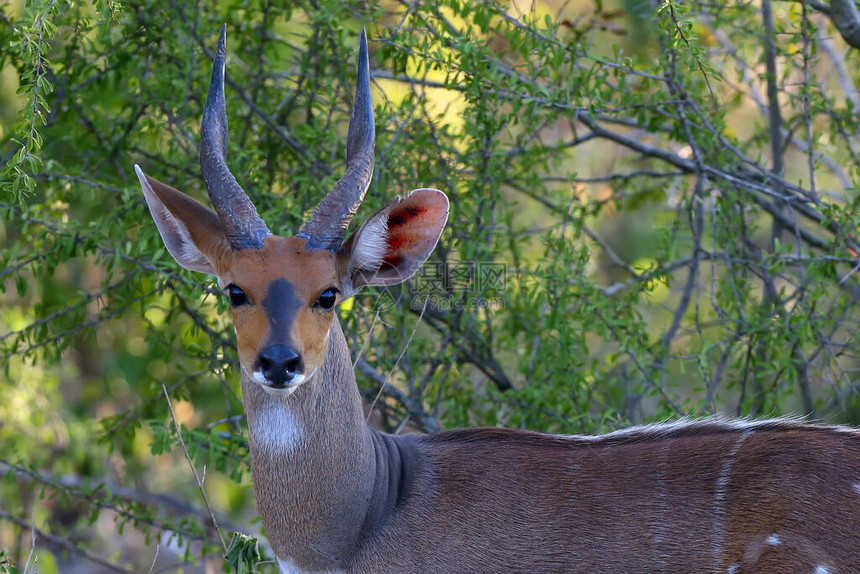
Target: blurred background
653,215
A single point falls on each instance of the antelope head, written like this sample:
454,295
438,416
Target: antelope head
283,290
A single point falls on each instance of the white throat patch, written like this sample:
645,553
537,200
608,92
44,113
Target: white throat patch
287,567
275,428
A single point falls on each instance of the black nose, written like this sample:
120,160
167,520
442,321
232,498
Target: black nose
279,364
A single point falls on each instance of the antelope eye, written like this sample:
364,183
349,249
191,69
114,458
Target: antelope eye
237,296
327,299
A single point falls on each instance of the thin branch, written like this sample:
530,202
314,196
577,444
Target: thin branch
841,68
65,544
193,470
820,6
846,18
397,362
32,538
412,404
95,490
743,180
807,114
750,87
154,558
610,252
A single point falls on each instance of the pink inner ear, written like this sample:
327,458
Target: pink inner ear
412,223
406,230
400,230
404,214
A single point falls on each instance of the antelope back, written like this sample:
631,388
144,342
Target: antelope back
773,496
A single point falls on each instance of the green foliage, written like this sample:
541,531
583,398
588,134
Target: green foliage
6,566
616,167
30,42
243,554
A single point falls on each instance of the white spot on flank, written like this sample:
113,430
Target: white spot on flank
774,540
857,487
822,569
734,568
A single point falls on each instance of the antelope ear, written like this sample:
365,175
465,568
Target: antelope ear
395,242
191,231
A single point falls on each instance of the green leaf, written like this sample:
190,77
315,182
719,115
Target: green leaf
243,553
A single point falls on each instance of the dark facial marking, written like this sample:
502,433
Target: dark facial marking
281,305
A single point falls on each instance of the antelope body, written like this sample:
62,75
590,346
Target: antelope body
338,496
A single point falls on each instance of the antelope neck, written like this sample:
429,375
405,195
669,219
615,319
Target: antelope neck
325,482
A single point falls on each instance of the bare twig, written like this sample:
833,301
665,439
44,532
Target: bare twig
154,558
367,339
32,539
397,362
807,114
65,544
412,404
82,487
193,470
840,67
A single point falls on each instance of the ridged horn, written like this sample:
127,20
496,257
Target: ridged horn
242,224
327,225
